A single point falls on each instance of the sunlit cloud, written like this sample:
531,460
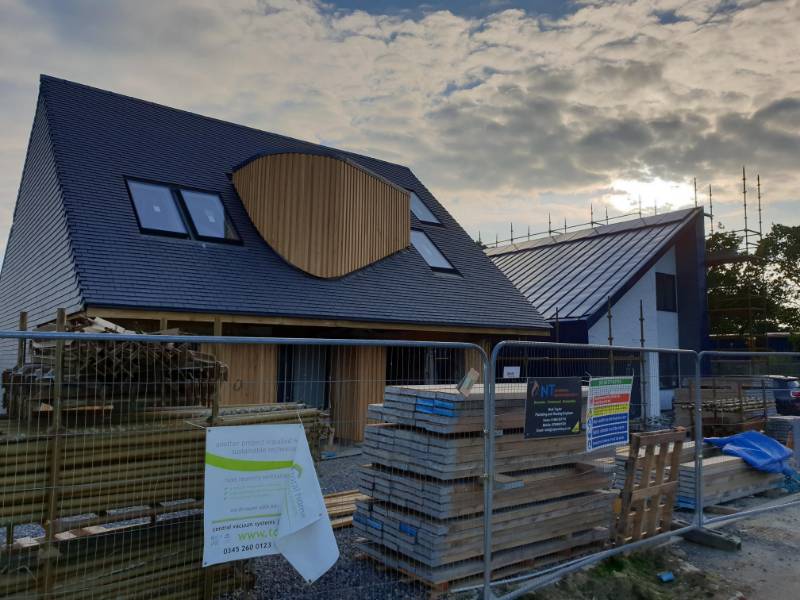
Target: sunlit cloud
506,117
629,195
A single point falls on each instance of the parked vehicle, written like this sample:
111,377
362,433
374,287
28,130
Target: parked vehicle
787,394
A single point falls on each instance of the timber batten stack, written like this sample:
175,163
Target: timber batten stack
425,513
128,504
730,404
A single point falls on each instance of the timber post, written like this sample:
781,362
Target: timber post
49,553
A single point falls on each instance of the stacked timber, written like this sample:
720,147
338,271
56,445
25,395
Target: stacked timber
725,478
113,467
730,405
126,561
125,514
780,428
424,515
99,376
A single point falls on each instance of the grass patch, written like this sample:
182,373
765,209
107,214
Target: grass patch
632,577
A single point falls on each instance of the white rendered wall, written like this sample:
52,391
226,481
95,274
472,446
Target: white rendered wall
660,328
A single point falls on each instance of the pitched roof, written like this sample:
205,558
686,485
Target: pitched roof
577,272
99,138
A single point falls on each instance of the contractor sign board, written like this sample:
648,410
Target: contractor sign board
553,407
608,412
262,497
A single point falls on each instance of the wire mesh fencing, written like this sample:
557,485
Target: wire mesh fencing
585,460
748,392
441,471
103,454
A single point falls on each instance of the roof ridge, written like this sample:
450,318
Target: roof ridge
598,230
43,77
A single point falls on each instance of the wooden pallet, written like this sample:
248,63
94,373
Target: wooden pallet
646,504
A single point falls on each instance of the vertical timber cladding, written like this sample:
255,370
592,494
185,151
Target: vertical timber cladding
357,379
252,373
323,214
473,360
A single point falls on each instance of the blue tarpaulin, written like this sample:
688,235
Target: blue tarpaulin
757,450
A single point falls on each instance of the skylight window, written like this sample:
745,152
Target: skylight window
432,255
422,212
156,208
208,215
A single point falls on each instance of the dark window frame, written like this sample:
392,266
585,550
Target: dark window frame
436,223
149,230
451,270
666,301
183,212
237,239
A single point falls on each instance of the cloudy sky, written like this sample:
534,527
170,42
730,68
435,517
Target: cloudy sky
506,110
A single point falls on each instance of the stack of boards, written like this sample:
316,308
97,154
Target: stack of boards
730,404
424,515
725,478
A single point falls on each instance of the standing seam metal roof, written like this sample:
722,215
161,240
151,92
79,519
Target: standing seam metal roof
100,138
576,273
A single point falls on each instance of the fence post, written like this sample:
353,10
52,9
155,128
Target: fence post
796,441
698,441
488,468
23,326
49,554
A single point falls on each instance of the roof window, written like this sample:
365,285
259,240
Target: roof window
430,252
208,215
421,211
156,208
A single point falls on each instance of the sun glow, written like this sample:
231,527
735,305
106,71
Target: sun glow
666,195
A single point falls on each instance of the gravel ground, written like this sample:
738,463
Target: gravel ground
352,577
766,568
339,474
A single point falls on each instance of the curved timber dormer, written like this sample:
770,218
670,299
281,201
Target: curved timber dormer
323,213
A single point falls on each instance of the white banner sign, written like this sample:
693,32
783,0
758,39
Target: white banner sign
262,497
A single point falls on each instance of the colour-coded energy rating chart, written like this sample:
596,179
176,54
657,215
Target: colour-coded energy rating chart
608,412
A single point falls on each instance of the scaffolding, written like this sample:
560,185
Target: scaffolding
738,311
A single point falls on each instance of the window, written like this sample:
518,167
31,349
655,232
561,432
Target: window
665,292
668,371
156,208
421,211
430,252
168,209
208,215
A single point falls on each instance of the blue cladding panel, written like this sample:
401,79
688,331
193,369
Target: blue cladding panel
38,273
101,138
578,272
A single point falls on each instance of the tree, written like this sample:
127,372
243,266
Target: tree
741,300
780,249
754,294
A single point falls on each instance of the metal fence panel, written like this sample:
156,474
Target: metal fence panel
102,446
555,501
102,449
747,391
